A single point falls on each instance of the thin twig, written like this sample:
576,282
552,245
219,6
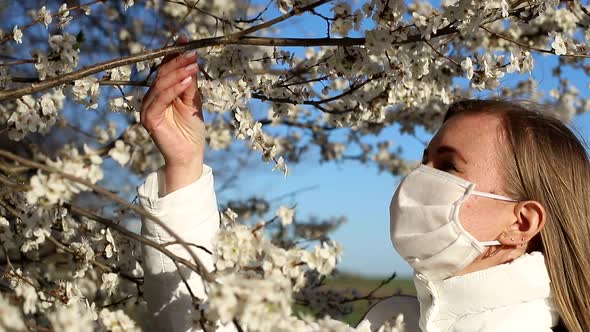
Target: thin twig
127,233
534,48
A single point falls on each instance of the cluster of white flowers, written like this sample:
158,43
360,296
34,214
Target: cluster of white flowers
71,319
64,16
86,92
246,128
10,316
66,302
31,115
257,282
63,56
110,281
143,156
115,321
83,256
559,45
344,19
53,188
261,304
323,259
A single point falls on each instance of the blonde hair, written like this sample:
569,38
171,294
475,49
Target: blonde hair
545,162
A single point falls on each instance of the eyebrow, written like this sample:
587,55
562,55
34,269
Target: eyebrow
447,149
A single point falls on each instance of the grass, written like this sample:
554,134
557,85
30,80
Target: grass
364,285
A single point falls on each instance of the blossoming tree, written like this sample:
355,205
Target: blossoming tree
73,73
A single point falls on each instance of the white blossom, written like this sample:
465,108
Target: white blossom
559,45
10,316
110,281
71,319
117,321
122,73
260,304
86,91
63,57
52,188
44,16
83,255
129,3
120,153
323,258
111,248
25,290
286,215
64,16
467,66
17,35
6,234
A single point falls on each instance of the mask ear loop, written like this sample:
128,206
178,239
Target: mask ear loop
471,191
493,196
495,251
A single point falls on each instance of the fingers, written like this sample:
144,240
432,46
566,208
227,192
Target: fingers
176,77
162,100
189,96
178,62
168,79
173,62
181,40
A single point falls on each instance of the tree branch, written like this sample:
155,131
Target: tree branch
234,38
538,49
199,267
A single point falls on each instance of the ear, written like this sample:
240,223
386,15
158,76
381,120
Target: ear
530,219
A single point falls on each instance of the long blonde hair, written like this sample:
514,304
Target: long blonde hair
546,162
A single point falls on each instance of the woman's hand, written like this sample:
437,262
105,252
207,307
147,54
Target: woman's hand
172,114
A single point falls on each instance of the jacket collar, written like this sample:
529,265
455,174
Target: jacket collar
523,280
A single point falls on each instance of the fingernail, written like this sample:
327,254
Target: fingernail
186,80
190,54
191,66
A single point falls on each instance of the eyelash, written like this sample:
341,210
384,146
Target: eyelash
447,166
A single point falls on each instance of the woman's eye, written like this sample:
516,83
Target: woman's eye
447,166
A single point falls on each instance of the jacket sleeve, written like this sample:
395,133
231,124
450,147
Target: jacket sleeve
192,213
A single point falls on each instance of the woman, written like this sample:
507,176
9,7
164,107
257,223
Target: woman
495,222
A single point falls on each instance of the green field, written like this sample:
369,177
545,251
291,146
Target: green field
365,285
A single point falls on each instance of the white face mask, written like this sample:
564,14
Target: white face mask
425,226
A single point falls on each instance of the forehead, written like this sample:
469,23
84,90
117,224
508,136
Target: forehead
477,137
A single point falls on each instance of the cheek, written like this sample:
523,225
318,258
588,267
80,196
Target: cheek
480,218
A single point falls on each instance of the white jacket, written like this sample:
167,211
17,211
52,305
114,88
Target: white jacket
509,297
